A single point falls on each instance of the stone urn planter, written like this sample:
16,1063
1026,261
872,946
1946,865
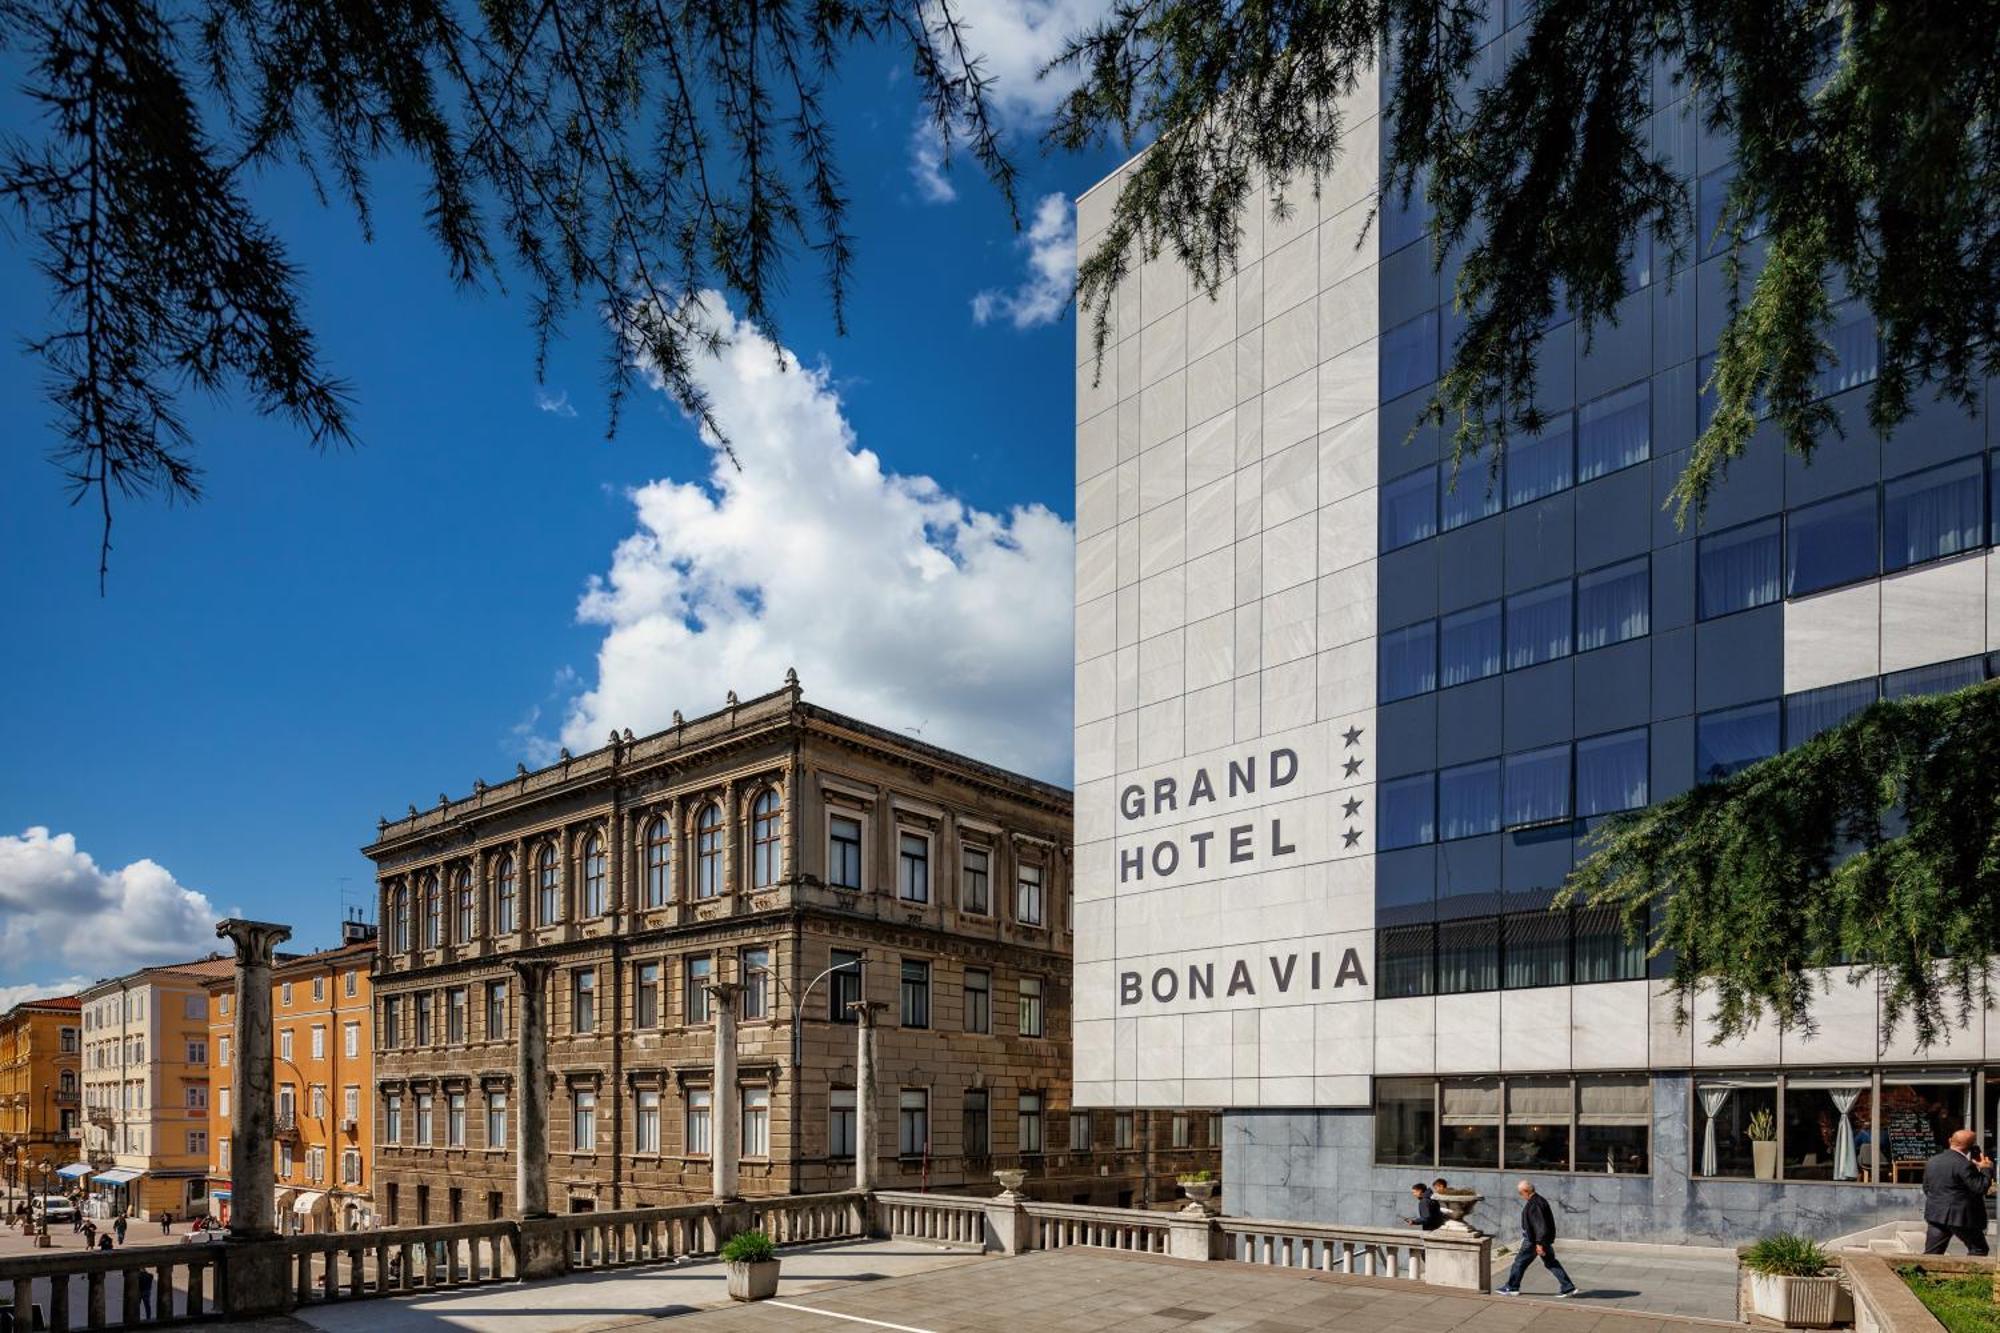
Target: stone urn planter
753,1280
1795,1302
1199,1191
1010,1181
1455,1204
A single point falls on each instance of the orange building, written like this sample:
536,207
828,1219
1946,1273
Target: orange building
40,1052
324,1039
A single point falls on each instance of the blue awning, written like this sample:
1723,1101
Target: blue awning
117,1176
73,1170
218,1194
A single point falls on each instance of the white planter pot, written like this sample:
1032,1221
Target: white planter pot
753,1281
1764,1158
1796,1302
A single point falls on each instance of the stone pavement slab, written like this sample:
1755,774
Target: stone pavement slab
1694,1285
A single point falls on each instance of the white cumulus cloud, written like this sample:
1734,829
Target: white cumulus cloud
927,165
64,916
1050,257
897,602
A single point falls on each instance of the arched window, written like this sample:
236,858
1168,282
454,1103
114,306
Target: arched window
503,896
708,851
545,885
593,876
433,914
659,872
399,920
765,855
468,923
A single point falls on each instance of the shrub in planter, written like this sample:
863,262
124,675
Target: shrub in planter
753,1266
1792,1280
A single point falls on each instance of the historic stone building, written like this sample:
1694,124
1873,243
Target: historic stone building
40,1050
781,859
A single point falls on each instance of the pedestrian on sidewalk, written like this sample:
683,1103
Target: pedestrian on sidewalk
119,1227
89,1229
1538,1241
167,1223
1955,1185
145,1293
1429,1216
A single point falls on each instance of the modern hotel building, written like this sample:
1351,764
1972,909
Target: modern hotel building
1341,728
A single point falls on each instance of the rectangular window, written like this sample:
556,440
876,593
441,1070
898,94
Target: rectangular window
285,1042
1811,712
1857,355
222,1102
1028,1122
1933,514
646,1125
1121,1130
392,1118
700,972
1469,1122
1409,661
843,852
913,1122
1613,605
1405,1121
1403,962
285,994
1407,817
351,983
1540,466
1938,678
1611,772
496,1010
1028,895
756,983
1182,1131
197,1052
1537,786
1469,645
424,1030
1467,497
285,1157
1534,949
756,1122
700,1118
1409,509
1538,1124
840,1123
1603,953
584,1120
1831,543
454,1133
319,988
843,985
496,1119
1614,431
350,1107
975,892
1468,956
1731,740
583,1000
978,1000
1409,356
1614,1123
426,1119
977,1130
350,1040
1079,1131
646,996
1738,569
457,1014
1031,1006
913,868
1723,1142
350,1166
1469,800
317,1095
222,1154
1538,625
916,994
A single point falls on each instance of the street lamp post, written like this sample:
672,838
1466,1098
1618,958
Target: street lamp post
799,999
42,1238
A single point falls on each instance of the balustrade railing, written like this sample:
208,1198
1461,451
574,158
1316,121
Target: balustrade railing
116,1289
1358,1251
945,1219
352,1265
1062,1225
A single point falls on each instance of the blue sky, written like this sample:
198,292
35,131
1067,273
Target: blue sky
326,638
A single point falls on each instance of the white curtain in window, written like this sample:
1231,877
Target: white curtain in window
1712,1102
1739,569
1538,625
1845,1167
1471,644
1611,773
1538,786
1614,432
1613,605
1933,515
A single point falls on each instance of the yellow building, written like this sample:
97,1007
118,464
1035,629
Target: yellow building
39,1057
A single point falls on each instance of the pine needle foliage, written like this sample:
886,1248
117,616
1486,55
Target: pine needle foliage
1870,854
1867,147
615,157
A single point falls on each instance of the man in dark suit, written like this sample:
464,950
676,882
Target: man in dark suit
1955,1185
1538,1241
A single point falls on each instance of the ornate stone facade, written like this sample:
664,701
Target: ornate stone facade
756,855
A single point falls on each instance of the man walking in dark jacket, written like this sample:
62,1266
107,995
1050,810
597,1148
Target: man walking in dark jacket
1538,1241
1955,1185
1429,1216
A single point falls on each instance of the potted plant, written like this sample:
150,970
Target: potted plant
1792,1280
753,1266
1763,1132
1199,1186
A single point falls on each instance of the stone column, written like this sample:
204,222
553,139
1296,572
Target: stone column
252,1180
864,1092
531,1116
725,1116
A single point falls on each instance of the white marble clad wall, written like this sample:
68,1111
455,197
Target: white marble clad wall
1226,540
1934,613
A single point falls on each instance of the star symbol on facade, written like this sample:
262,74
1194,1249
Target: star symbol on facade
1349,838
1351,767
1351,807
1352,736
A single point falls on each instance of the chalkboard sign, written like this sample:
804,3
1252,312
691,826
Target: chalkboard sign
1911,1136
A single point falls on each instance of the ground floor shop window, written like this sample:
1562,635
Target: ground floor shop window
1855,1126
1587,1123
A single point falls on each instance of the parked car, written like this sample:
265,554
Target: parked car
205,1231
52,1208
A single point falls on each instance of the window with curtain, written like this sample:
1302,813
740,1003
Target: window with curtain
1738,569
1403,961
1469,495
1538,628
1538,1124
1727,1110
1614,604
1409,661
1611,772
547,899
1831,543
1537,786
1405,1121
433,914
504,897
1811,712
1409,355
1934,514
1732,739
1826,1114
1615,431
1600,949
1469,645
1614,1124
1857,356
1938,678
1540,466
1408,816
1468,955
1534,949
1469,800
1469,1122
1409,509
466,925
1918,1113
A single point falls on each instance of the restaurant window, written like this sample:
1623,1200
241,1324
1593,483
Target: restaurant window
975,881
1469,1122
1593,1123
840,1122
1736,1127
1405,1121
1828,1123
1614,1124
1537,1129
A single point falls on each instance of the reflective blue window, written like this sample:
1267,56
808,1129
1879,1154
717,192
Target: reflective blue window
1612,772
1538,786
1830,543
1809,713
1615,431
1406,814
1409,509
1469,644
1470,496
1613,605
1733,739
1933,514
1856,354
1410,356
1939,678
1540,466
1468,955
1738,569
1409,661
1469,800
1403,220
1538,625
